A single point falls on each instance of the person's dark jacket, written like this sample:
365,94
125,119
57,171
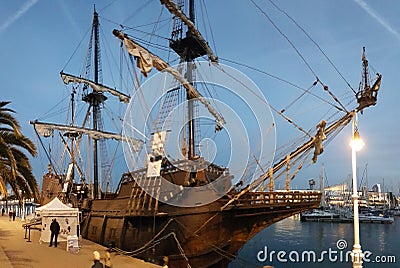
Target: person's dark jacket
97,264
55,227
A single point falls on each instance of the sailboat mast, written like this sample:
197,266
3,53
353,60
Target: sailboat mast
366,182
322,186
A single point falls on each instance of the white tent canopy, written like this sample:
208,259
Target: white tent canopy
67,217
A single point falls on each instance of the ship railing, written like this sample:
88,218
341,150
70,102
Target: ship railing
200,164
278,198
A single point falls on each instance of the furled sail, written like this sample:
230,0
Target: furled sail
46,129
143,59
134,49
68,78
319,138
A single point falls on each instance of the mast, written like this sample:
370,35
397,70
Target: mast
384,194
322,185
95,103
191,123
95,99
133,48
191,11
194,40
185,47
72,135
188,48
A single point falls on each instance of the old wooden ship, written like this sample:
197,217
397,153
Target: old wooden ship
191,210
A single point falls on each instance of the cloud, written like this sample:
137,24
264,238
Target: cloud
378,18
14,17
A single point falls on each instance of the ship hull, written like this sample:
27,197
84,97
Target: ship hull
204,236
136,223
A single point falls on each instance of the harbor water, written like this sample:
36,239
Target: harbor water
292,243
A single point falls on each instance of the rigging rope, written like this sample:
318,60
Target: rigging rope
140,26
148,244
285,36
263,100
209,25
207,85
109,55
282,80
155,25
149,44
137,10
315,43
297,52
154,241
301,95
287,148
107,6
326,88
76,49
217,249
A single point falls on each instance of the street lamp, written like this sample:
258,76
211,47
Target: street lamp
356,145
23,205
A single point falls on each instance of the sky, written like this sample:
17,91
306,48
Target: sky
39,38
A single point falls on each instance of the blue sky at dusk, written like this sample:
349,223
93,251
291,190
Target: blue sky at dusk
38,37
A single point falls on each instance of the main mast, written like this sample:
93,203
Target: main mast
191,124
188,48
95,99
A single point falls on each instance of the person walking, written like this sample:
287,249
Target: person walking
107,263
96,260
2,211
10,214
165,261
54,229
13,215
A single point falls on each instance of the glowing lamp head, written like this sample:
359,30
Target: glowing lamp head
357,143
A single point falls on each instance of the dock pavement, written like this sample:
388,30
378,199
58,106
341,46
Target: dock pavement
16,252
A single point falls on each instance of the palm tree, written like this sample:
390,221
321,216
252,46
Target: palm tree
15,168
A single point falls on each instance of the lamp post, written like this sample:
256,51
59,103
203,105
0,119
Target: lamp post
356,145
23,206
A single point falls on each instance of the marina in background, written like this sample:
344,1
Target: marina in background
375,204
292,234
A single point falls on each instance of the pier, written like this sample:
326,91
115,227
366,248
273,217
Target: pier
16,251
